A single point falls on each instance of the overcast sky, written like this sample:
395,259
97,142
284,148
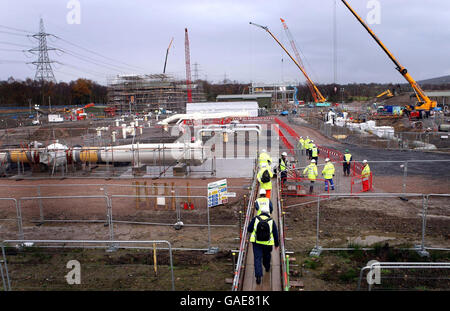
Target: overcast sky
137,32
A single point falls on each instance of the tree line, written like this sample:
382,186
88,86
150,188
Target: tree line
18,93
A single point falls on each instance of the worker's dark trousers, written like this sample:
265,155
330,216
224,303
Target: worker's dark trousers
283,176
261,252
311,188
315,158
346,168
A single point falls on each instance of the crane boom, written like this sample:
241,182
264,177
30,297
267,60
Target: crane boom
425,103
317,97
315,90
167,53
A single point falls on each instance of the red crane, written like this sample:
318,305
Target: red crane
318,97
188,66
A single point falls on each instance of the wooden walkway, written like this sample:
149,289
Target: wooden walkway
271,281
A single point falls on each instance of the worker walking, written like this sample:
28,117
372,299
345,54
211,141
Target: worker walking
282,166
301,144
262,203
314,152
311,172
365,175
264,157
347,162
264,177
264,235
306,146
328,174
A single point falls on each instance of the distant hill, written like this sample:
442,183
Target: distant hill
436,81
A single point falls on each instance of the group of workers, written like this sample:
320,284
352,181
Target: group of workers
262,228
307,146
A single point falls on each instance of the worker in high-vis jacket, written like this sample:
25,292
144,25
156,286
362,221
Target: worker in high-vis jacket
262,203
282,166
263,235
306,145
301,144
262,184
314,152
347,162
311,172
264,157
328,174
365,175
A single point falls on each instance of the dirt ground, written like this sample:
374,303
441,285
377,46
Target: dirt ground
45,269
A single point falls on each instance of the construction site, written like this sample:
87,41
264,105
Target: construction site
156,188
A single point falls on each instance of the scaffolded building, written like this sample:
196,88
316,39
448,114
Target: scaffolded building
147,93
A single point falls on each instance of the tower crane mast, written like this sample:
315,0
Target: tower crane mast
188,66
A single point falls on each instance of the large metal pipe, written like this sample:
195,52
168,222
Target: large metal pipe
144,153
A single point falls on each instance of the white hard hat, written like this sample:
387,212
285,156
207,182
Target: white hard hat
262,191
327,159
365,161
284,154
312,140
313,161
263,151
265,209
301,136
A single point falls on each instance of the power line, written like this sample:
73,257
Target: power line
16,29
15,44
13,33
98,54
90,59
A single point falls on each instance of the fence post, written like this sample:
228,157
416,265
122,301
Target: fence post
421,248
317,249
405,175
41,211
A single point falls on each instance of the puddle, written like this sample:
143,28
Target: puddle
368,240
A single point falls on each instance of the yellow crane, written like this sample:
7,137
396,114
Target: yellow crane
424,102
318,97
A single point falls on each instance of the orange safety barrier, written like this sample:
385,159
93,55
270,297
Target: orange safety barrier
285,141
359,180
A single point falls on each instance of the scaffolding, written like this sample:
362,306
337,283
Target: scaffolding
147,93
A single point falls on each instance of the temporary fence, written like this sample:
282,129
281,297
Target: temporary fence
299,186
177,211
84,265
64,209
243,245
283,256
405,276
10,214
326,222
398,141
